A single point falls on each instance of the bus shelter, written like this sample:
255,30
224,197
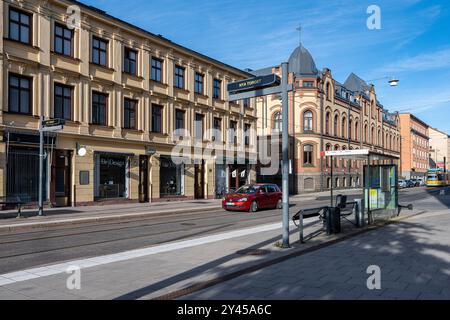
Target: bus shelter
380,182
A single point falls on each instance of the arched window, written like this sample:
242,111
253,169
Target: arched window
379,137
350,129
308,154
356,131
372,133
307,121
327,91
366,133
336,125
327,123
343,127
277,121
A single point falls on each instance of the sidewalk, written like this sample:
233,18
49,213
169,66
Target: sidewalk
107,213
245,264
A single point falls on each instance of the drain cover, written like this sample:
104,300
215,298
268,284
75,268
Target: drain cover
253,252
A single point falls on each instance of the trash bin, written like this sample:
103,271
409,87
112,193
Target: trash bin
333,220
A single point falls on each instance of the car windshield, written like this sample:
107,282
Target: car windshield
247,189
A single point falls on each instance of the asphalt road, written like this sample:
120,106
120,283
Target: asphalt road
25,250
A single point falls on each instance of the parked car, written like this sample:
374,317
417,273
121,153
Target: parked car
421,182
416,182
410,183
402,184
253,197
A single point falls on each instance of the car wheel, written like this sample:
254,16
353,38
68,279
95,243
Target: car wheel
253,206
279,204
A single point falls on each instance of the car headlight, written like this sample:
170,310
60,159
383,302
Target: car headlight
242,200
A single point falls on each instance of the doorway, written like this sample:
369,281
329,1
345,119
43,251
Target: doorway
61,178
143,179
199,180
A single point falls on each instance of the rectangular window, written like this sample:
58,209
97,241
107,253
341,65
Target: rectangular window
156,74
199,126
99,107
179,119
179,77
217,133
63,102
19,94
99,51
308,84
247,134
63,40
129,117
216,88
198,83
19,26
233,132
246,103
156,118
130,61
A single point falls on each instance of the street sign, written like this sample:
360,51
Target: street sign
254,83
53,122
52,128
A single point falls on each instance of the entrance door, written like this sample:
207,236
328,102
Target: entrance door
199,181
143,179
61,178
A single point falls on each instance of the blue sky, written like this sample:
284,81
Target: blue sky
413,43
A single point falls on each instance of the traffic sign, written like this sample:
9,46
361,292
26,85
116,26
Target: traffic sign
52,128
254,83
53,122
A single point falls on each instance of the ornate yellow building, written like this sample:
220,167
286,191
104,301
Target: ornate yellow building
326,115
122,92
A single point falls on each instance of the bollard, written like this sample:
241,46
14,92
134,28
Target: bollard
300,226
359,213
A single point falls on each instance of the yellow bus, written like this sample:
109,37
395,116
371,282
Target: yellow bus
437,178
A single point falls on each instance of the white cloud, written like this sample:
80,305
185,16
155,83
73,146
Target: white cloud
422,62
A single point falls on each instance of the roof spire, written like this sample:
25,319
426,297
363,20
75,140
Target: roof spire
299,29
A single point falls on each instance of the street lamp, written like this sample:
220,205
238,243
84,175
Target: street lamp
393,82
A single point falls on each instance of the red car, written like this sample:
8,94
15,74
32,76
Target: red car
253,197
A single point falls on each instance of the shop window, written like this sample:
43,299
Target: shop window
171,177
111,176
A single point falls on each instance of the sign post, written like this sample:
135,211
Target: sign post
262,86
44,126
285,148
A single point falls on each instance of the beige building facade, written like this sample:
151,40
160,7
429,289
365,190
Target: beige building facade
415,146
122,92
326,115
439,149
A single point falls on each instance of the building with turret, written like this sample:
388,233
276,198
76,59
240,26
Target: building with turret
325,114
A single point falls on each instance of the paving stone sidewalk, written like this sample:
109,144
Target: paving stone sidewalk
413,256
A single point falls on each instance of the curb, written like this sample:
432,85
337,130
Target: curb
43,225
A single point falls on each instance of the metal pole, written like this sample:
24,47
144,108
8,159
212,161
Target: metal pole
41,166
332,182
285,148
